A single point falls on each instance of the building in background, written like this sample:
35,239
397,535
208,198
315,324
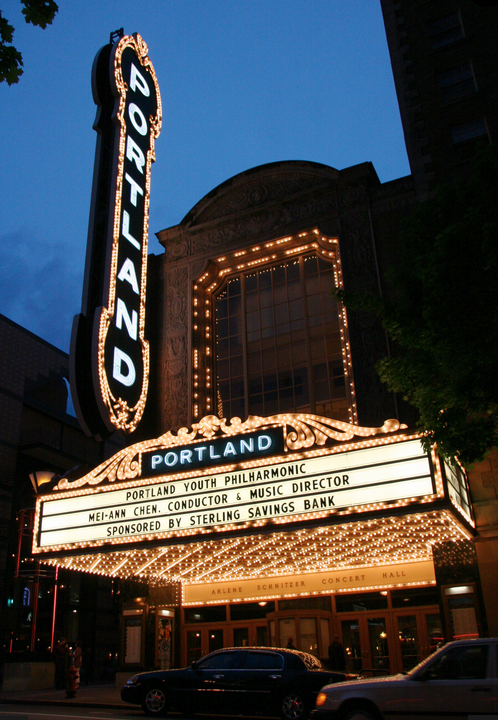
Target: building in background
446,73
39,438
445,68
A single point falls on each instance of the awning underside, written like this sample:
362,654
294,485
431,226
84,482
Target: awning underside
379,541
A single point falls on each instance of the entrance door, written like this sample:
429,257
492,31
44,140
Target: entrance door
408,641
241,636
418,633
203,640
366,642
248,634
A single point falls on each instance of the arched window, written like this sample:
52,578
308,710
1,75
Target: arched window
277,338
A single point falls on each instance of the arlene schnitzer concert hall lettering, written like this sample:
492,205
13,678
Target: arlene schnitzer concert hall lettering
302,488
110,356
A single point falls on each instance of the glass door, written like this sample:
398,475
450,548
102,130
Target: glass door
202,640
261,636
432,633
378,643
215,639
248,634
418,634
194,645
241,636
366,642
408,639
287,632
308,637
352,645
306,630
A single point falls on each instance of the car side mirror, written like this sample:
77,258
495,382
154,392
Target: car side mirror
194,665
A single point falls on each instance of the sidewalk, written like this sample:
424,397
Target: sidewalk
86,696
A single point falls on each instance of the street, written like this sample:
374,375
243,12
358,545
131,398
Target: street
40,712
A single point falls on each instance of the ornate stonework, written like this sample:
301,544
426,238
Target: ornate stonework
175,348
256,193
263,224
259,206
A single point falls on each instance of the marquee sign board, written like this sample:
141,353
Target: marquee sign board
305,482
109,353
265,493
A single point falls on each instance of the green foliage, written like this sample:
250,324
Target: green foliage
39,12
10,58
36,12
443,314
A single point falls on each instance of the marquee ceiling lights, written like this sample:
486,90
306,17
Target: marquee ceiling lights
380,541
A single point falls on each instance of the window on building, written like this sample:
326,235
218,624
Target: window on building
457,486
471,130
445,31
267,335
278,341
456,83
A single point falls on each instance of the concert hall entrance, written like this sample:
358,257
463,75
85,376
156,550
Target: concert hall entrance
381,632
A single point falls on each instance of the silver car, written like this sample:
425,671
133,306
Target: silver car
460,680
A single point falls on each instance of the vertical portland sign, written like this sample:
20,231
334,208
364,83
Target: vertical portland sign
109,353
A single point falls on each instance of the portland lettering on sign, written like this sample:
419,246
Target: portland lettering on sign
109,353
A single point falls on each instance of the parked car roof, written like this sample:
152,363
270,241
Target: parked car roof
311,662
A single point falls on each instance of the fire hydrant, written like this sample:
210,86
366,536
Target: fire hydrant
71,684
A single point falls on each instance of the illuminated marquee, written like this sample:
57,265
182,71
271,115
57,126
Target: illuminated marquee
284,491
110,356
304,482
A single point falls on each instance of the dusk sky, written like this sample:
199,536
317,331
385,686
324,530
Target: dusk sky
243,83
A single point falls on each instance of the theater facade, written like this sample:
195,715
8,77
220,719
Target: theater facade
273,489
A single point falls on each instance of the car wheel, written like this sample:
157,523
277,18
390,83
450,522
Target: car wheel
154,702
294,707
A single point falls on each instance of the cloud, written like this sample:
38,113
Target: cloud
40,288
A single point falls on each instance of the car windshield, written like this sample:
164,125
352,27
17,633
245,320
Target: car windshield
459,658
423,662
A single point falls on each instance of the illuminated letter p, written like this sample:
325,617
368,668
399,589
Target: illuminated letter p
137,80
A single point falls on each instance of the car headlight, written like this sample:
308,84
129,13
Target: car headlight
133,680
321,699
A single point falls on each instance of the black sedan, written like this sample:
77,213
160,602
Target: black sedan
249,681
